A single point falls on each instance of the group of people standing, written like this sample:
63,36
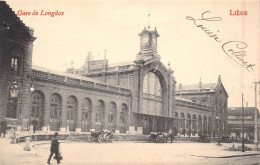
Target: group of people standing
3,128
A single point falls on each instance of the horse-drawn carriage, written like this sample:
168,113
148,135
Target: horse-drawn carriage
101,136
204,138
158,137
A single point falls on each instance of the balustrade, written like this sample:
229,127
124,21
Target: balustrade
80,82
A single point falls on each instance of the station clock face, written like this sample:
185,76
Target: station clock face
145,39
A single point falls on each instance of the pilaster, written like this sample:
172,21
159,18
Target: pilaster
79,115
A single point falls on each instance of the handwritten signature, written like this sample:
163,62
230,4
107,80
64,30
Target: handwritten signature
234,49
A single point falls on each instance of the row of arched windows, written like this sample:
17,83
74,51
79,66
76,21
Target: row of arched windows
194,124
72,107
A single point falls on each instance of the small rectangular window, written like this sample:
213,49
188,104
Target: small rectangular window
14,64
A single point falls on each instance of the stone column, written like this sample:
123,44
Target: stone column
24,104
46,112
207,127
197,126
105,119
64,114
202,131
118,106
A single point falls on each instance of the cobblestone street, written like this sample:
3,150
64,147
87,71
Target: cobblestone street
126,153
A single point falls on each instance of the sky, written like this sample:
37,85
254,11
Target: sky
114,25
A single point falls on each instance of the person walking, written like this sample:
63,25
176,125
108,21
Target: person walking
3,127
34,123
54,148
172,135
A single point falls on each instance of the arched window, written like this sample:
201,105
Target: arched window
152,85
71,108
112,113
99,111
55,107
123,114
37,109
37,105
204,102
55,112
152,94
86,109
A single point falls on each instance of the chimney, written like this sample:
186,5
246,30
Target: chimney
180,86
219,78
89,57
200,84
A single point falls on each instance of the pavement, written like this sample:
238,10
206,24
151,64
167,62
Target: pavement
78,152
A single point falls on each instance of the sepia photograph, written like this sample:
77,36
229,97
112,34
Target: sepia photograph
121,82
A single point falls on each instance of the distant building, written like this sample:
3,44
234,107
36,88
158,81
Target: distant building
235,122
210,95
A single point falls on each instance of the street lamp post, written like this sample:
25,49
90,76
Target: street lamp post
243,142
14,91
218,131
256,117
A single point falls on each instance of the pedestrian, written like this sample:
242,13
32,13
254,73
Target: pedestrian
172,135
34,123
54,148
13,135
3,127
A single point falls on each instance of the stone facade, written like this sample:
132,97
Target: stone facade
211,95
16,43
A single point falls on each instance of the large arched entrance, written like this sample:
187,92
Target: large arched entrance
37,109
123,119
112,111
100,115
72,106
152,103
55,112
86,115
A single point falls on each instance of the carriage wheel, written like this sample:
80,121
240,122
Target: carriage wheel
157,140
100,139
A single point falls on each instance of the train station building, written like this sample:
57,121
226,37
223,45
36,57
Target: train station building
136,97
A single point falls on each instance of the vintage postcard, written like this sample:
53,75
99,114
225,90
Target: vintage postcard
129,82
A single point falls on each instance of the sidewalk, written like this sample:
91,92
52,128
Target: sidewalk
13,154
